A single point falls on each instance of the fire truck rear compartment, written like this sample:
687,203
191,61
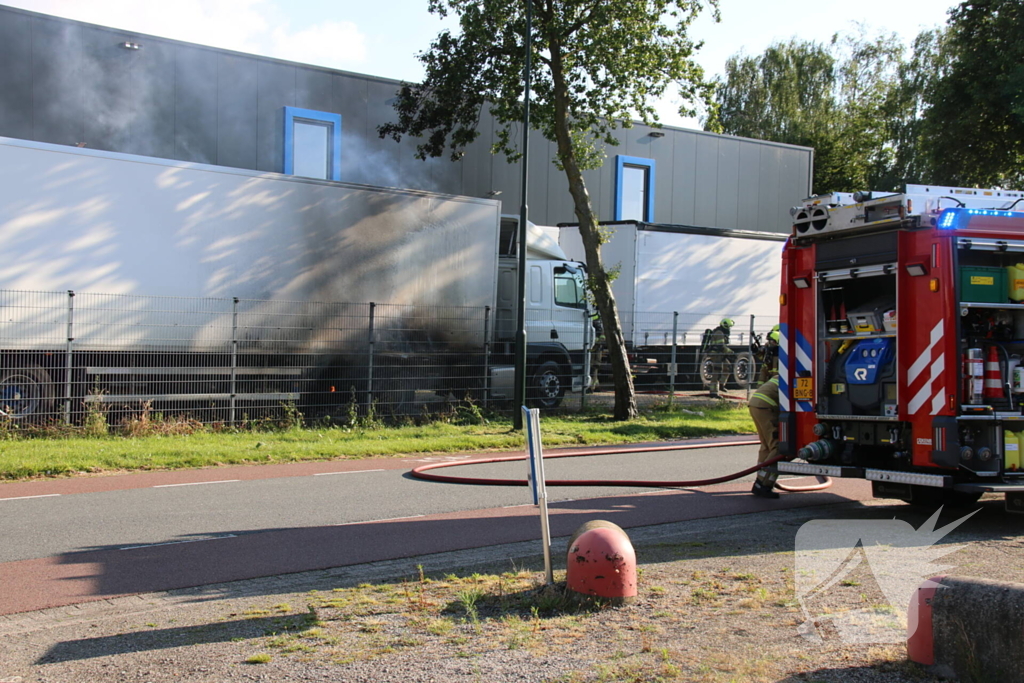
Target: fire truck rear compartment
925,404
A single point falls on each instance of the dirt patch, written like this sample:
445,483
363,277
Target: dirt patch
720,600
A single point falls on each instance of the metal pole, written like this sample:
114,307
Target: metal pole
369,375
519,392
487,354
587,329
538,483
67,357
672,362
234,359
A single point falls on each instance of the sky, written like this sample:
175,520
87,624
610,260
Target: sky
382,38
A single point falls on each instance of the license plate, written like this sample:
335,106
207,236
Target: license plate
804,389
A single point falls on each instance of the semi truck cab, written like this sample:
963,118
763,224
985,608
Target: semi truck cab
559,319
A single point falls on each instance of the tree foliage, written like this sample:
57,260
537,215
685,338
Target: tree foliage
856,101
976,117
598,65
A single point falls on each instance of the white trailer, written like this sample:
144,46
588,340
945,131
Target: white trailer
674,282
101,223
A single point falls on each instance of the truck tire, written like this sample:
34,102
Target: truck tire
744,370
546,387
706,370
26,394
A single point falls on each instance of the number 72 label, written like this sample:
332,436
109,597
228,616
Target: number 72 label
804,389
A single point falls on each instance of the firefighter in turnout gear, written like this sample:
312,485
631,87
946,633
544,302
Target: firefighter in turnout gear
721,357
768,356
764,409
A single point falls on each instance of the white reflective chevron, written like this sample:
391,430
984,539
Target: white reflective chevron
939,401
922,361
783,369
926,391
803,361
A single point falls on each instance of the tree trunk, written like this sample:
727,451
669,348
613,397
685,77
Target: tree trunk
625,395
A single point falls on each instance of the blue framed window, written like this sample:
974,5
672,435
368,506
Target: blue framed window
312,143
634,188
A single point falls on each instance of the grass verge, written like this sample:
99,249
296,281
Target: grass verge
708,612
23,458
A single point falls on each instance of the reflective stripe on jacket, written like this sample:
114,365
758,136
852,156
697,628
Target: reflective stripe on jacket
766,395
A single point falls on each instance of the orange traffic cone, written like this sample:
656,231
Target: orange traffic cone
993,379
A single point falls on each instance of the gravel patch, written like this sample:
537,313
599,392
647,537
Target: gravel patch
718,602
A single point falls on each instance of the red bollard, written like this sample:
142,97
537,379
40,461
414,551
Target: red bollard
920,635
601,562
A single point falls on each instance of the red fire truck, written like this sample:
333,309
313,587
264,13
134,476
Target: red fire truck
902,325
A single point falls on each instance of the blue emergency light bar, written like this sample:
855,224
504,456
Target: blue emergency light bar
952,219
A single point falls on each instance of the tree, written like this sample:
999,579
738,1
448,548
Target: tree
787,94
599,64
903,111
856,101
976,118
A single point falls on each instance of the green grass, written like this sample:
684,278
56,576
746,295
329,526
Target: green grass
22,458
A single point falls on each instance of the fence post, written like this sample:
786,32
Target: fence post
672,362
753,361
234,359
67,357
588,327
487,354
369,375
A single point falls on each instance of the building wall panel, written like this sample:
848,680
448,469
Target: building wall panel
16,80
381,159
237,123
683,177
195,106
276,84
105,103
728,183
706,181
57,85
154,91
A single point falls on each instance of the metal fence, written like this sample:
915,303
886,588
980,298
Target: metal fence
670,351
68,358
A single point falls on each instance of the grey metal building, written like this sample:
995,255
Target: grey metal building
74,83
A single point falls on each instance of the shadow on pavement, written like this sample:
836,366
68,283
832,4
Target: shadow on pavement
167,638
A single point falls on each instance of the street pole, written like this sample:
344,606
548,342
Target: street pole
519,393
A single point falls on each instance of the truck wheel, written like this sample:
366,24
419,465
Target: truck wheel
744,370
706,370
546,386
26,393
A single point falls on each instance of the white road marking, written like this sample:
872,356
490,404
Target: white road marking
191,540
45,495
370,521
197,483
324,474
445,458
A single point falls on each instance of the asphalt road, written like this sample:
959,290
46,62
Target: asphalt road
165,513
68,541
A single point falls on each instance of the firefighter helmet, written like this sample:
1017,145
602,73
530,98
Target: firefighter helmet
727,323
774,334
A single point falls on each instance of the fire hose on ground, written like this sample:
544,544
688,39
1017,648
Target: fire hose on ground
422,472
